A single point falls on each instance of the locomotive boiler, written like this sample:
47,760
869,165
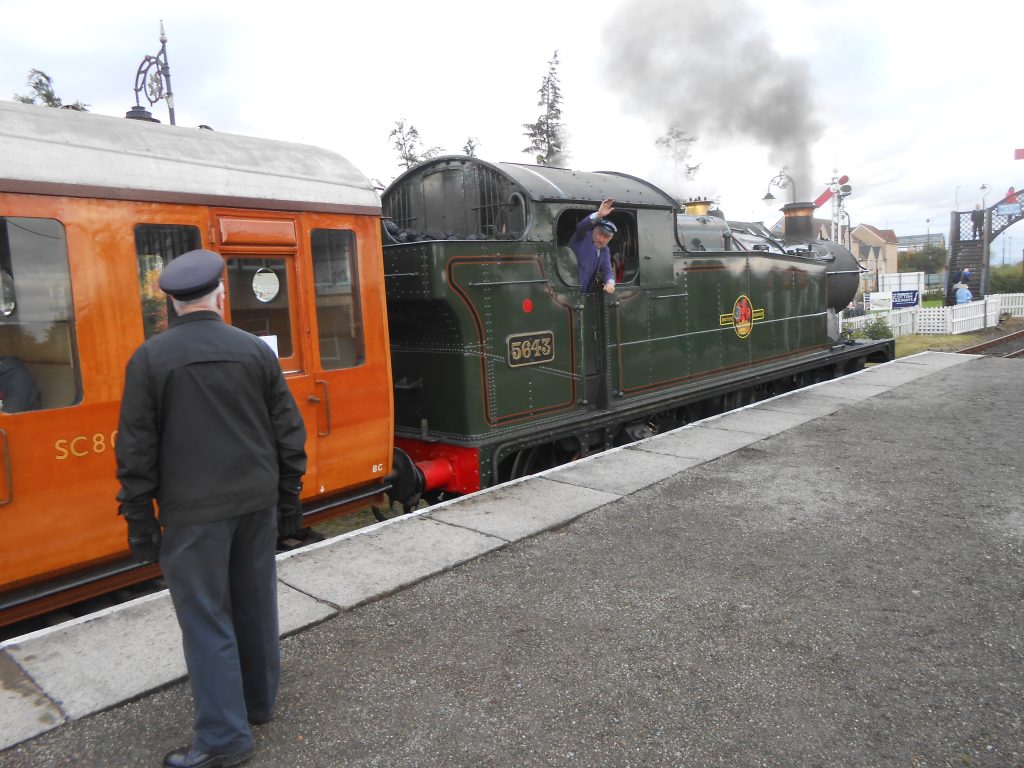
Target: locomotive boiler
502,366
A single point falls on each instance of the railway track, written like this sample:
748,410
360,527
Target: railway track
1010,345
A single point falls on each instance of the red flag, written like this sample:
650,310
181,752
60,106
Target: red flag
1018,154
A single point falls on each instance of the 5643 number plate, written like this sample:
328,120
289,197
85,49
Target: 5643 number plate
531,348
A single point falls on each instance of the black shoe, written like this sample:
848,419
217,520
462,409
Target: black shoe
260,719
190,757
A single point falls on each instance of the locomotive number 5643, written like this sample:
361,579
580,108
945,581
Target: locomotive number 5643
531,348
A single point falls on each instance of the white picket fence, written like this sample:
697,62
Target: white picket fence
963,318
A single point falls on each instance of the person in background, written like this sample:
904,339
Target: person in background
977,221
210,432
593,256
963,294
18,390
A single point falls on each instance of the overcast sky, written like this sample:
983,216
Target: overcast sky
918,107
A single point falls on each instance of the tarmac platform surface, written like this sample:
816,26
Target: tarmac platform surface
829,578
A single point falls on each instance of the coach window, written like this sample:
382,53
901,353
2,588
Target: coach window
155,246
259,302
38,349
623,247
337,298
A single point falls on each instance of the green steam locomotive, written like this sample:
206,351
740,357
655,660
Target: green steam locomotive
503,366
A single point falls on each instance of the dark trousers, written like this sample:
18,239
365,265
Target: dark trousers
223,581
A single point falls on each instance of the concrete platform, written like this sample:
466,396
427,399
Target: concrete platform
832,577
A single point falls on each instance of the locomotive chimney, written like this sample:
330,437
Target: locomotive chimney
798,222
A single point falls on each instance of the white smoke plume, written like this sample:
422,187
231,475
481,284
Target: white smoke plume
709,69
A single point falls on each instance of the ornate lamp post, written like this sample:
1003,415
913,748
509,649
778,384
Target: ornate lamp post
984,188
782,180
154,81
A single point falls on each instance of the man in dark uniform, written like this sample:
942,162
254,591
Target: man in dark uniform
211,433
593,258
592,254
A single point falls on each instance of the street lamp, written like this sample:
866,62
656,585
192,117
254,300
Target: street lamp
984,191
782,180
150,79
956,198
927,233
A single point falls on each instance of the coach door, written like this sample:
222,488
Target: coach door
53,457
350,357
264,299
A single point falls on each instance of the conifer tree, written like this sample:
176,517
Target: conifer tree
41,85
407,144
547,136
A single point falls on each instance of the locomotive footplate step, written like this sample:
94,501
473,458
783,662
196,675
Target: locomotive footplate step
831,576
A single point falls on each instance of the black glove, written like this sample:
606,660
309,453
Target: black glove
143,534
289,513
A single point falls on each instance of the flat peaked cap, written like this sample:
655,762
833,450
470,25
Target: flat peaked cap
192,275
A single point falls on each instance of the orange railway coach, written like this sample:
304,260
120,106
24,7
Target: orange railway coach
91,208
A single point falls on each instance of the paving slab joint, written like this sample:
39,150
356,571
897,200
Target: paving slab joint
473,530
376,597
334,606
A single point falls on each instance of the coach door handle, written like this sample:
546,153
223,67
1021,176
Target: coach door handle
7,470
327,406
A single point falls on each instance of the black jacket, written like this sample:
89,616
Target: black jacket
18,390
208,426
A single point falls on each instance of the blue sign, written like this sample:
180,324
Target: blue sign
904,299
1008,209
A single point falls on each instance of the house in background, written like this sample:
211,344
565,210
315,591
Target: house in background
915,243
876,250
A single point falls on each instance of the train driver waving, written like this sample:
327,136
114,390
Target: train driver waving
592,253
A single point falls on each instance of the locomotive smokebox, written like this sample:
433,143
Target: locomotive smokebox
844,270
798,222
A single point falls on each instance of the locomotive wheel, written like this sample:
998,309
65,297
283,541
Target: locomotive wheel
436,497
537,458
530,460
392,510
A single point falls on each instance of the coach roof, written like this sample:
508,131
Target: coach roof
59,151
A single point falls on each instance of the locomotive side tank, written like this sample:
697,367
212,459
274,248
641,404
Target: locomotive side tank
503,365
91,207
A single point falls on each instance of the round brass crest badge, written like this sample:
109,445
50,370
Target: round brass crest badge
743,317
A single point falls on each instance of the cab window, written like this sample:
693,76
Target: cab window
38,349
338,314
155,246
623,247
